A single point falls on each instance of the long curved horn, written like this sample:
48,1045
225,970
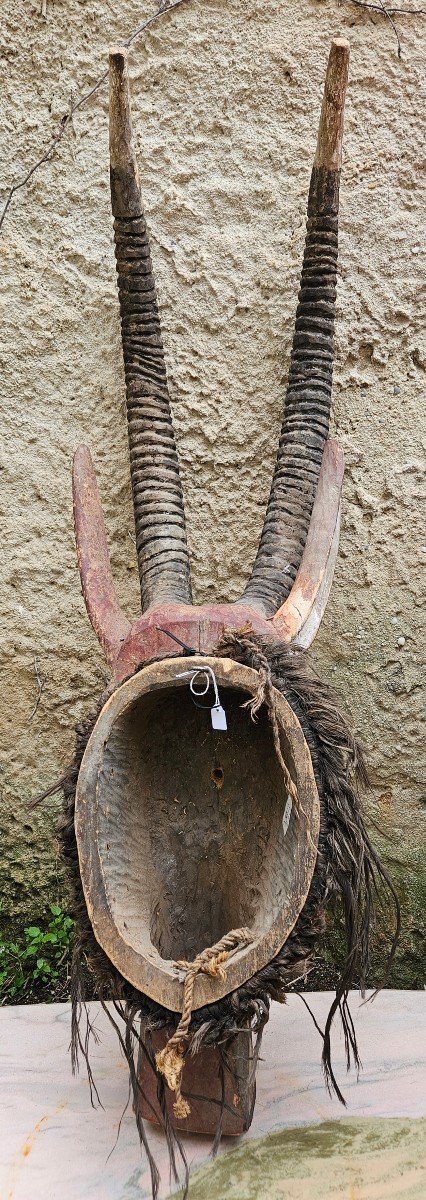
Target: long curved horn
157,492
109,622
307,405
299,618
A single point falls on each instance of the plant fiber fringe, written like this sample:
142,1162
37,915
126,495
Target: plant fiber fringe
347,869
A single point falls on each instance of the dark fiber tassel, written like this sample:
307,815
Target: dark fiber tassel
347,869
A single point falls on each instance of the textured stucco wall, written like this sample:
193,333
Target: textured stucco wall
226,97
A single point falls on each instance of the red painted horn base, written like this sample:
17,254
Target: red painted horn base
202,1085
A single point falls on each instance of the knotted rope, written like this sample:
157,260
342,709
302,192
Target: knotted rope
170,1061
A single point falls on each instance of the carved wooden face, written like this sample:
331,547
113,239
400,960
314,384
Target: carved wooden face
185,831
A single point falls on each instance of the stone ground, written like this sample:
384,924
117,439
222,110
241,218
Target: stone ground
302,1143
355,1160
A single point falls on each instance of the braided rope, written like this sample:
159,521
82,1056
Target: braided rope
170,1060
264,695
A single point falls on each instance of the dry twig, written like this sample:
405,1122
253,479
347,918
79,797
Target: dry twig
40,684
50,791
389,18
161,11
389,12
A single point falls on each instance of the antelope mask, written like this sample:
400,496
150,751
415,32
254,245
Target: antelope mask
198,844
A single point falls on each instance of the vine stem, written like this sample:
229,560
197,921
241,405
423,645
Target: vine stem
368,5
388,12
74,106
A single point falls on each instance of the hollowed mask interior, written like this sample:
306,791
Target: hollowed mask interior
190,823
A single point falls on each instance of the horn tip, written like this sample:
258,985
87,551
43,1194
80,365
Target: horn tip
81,455
337,67
330,133
118,55
339,59
341,43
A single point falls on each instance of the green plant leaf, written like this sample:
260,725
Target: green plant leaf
38,955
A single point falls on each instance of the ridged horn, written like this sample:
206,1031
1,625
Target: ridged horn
157,491
307,404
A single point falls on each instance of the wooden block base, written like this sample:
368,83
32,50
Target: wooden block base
202,1087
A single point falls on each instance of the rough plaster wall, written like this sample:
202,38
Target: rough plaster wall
226,97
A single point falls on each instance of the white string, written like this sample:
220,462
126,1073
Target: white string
206,671
217,713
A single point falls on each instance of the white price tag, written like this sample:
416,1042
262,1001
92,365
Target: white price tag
218,717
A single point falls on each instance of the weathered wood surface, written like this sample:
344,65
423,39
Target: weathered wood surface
170,862
198,627
107,618
307,599
202,1086
308,631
